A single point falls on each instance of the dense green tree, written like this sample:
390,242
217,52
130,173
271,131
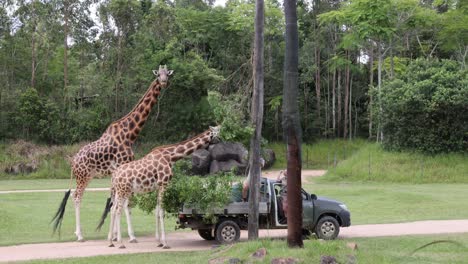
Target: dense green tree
425,108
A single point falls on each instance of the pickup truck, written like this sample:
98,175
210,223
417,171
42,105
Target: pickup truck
321,216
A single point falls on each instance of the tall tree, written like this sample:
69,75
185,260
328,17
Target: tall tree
76,20
292,126
257,119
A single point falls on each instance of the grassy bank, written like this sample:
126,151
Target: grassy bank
51,162
370,250
360,160
372,163
319,155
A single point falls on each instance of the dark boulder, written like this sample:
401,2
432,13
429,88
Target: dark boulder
269,157
201,159
225,151
225,166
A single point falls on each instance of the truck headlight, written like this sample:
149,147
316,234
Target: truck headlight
343,206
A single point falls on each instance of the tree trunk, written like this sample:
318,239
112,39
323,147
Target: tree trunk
379,83
339,104
346,99
371,84
392,63
292,127
119,73
33,59
306,107
257,119
317,79
350,118
65,49
333,103
327,106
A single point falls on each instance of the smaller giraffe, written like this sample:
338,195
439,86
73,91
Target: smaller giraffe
150,173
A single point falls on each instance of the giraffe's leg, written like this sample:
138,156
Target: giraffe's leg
122,203
161,217
158,229
81,183
112,224
115,233
131,234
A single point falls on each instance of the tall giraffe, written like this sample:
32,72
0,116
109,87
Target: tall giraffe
112,149
152,172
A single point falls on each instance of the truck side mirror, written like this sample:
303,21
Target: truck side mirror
313,197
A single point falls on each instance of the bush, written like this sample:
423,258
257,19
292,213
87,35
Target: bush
426,108
203,192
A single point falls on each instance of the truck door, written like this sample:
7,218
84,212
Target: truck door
307,210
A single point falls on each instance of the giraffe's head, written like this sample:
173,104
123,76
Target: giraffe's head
215,131
162,75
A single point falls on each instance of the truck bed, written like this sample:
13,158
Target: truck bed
231,208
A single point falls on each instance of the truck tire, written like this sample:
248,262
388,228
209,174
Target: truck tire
227,232
206,234
327,228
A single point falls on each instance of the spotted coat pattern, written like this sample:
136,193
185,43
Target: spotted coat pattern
152,172
114,147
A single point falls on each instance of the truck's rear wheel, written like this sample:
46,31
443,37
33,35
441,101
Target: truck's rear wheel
327,228
227,232
206,234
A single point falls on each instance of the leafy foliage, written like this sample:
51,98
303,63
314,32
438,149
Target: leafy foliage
227,113
425,108
204,193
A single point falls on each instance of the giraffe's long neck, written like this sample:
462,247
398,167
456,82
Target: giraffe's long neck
187,147
128,127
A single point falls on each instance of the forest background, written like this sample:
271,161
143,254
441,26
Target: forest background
393,71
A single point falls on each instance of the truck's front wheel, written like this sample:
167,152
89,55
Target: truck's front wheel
327,228
206,234
227,232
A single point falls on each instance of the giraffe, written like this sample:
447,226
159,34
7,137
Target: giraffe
150,173
112,149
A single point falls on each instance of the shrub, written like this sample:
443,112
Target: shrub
203,192
426,108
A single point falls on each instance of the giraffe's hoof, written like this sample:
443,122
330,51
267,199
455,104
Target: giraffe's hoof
122,247
166,247
111,245
133,241
80,240
160,245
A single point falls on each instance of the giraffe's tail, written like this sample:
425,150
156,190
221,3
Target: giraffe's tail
57,220
105,213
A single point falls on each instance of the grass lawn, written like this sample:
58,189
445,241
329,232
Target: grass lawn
370,250
373,163
372,203
25,218
319,155
46,184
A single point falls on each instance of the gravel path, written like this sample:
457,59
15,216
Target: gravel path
190,241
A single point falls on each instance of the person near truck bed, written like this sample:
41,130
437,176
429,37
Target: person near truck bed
282,176
245,184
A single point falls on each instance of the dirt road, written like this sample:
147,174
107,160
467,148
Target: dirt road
190,241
